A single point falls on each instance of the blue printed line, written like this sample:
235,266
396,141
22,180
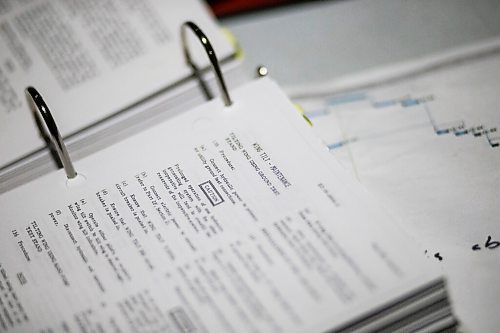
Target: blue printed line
345,99
442,131
336,145
462,132
316,113
409,102
384,104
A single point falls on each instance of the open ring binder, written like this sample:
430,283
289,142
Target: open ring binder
49,129
212,57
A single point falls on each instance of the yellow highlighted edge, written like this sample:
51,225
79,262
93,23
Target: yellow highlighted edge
238,51
302,112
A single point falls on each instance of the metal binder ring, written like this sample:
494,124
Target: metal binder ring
49,129
213,60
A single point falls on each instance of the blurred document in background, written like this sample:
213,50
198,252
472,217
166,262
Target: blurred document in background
424,137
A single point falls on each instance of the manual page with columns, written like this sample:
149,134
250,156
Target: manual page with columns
99,62
223,219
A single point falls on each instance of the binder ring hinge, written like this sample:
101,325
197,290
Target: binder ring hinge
211,56
49,130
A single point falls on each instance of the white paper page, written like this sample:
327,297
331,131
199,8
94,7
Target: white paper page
223,219
427,148
90,59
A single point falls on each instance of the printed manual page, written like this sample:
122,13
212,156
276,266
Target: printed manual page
224,219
